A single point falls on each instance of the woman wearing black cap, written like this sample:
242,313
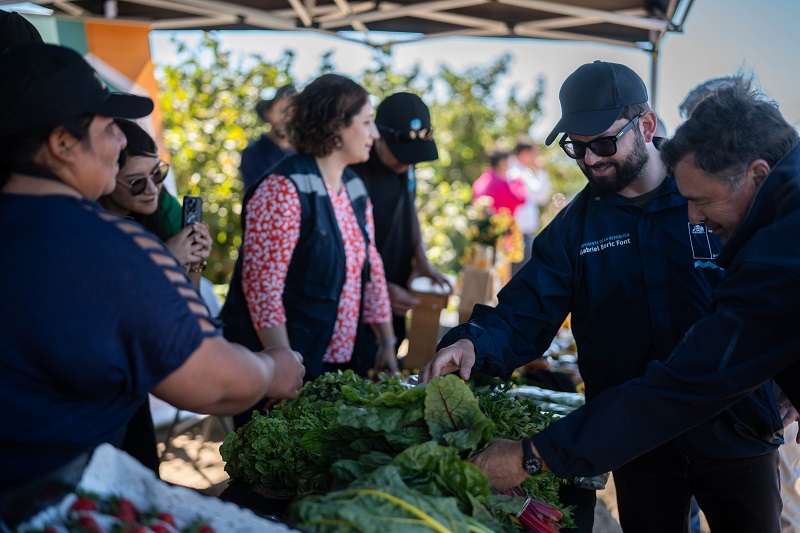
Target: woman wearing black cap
96,312
309,273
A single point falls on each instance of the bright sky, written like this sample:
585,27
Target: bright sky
720,37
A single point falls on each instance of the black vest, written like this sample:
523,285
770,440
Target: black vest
317,269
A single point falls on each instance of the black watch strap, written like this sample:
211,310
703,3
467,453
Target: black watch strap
531,463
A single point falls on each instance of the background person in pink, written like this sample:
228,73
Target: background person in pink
505,192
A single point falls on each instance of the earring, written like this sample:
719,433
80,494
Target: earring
338,142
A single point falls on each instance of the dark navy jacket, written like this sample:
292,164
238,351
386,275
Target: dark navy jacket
257,158
751,336
634,285
317,269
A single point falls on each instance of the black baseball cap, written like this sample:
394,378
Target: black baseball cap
283,92
43,85
404,122
593,97
15,29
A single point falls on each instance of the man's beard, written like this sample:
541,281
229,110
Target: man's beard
626,171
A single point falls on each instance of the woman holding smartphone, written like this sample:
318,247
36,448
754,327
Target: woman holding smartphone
309,273
139,194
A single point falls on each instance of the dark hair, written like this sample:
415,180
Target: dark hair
705,89
17,150
729,129
634,110
524,142
319,111
497,156
140,144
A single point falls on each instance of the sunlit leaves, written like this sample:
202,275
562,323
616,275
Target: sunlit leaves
208,102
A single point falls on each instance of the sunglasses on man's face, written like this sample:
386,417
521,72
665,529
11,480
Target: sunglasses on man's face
158,175
423,134
602,146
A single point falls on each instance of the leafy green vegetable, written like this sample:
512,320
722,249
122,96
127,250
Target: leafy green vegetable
386,509
384,441
453,414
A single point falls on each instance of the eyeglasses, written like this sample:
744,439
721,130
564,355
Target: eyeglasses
602,146
422,134
158,175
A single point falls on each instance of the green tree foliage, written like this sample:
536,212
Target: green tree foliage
208,102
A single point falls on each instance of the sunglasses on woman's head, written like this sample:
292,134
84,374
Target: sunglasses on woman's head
158,175
602,146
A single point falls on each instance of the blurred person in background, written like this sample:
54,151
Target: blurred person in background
528,166
503,191
273,145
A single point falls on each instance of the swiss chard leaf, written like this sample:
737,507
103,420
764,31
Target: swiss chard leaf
385,509
348,470
450,407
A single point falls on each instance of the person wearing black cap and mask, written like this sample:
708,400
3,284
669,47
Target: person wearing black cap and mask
271,146
96,312
406,138
623,258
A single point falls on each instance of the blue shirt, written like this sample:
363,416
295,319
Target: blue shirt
90,324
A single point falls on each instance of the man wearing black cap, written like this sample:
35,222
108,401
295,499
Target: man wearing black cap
404,123
623,258
273,145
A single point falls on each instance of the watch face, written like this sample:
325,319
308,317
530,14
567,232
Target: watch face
532,465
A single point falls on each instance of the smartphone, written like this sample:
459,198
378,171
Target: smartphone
192,210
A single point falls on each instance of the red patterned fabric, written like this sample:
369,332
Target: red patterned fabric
273,228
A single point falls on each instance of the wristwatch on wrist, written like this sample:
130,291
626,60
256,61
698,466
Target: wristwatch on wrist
531,463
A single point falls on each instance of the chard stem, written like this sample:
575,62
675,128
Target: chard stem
422,515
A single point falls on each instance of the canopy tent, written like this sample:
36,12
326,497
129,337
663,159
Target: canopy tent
639,24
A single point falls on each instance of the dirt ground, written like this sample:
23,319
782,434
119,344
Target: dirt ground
193,460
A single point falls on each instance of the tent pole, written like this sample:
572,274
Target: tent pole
654,78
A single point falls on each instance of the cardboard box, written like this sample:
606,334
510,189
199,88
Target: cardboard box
478,286
424,331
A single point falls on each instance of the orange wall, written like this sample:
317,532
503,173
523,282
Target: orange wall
126,47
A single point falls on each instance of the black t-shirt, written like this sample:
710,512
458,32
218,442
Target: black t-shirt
392,196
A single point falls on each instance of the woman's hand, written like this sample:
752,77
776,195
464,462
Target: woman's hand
287,372
386,359
202,237
191,245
